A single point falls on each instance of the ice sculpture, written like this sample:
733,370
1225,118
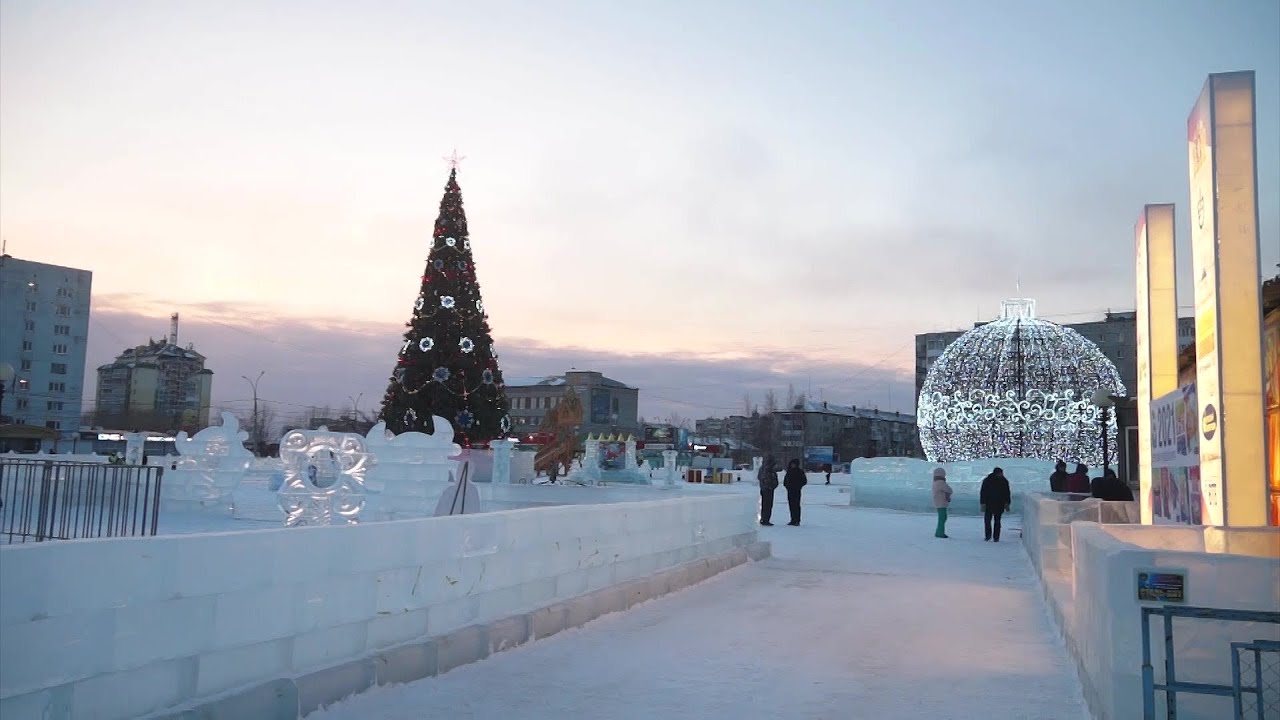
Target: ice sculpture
669,465
209,468
323,477
502,460
411,471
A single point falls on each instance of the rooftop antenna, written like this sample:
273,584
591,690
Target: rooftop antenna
173,329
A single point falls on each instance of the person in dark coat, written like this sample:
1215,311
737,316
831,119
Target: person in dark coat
1110,487
794,480
768,478
1078,481
1058,480
995,498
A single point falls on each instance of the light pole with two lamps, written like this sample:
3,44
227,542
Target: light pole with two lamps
1103,400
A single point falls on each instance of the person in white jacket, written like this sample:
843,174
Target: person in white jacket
941,499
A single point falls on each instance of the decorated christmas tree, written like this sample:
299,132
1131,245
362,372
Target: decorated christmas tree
447,364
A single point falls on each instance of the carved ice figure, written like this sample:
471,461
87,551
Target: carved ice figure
631,454
669,464
209,468
591,460
502,460
412,469
323,477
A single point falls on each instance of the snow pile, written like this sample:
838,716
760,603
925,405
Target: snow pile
905,483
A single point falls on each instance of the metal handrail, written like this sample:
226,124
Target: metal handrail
1171,686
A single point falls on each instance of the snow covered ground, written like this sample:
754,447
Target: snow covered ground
859,614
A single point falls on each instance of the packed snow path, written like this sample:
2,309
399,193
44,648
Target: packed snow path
859,614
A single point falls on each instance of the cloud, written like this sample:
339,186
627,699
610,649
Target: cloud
315,362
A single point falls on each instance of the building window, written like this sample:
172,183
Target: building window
31,306
58,368
22,403
53,425
53,405
61,329
29,325
26,346
59,349
64,292
64,311
25,364
53,386
23,383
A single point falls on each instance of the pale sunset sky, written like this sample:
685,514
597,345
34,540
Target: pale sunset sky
701,198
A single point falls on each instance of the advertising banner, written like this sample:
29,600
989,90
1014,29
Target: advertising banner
659,436
1175,496
818,456
1221,152
599,406
1157,327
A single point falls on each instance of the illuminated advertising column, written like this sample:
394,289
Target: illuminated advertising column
1224,265
1157,316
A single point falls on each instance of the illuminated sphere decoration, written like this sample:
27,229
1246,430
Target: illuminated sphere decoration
1019,387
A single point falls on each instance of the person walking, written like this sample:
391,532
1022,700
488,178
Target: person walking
794,480
1058,480
768,478
995,498
941,499
827,468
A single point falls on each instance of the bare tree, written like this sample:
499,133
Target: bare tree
675,420
791,396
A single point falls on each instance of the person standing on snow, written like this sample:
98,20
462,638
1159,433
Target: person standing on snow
794,480
1058,480
1078,481
995,498
768,478
941,499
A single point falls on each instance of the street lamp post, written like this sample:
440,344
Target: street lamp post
257,432
1102,400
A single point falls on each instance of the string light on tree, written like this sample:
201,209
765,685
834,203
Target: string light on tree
438,372
1017,387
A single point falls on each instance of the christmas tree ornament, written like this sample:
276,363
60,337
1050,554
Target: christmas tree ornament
441,374
426,344
466,420
465,345
450,241
417,305
447,302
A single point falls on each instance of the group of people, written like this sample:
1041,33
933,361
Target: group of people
1108,487
994,497
794,480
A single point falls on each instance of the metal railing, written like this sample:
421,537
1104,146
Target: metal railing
53,500
1261,687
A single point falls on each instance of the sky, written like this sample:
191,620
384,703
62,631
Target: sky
702,199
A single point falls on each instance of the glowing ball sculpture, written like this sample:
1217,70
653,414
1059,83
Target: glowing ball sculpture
1017,387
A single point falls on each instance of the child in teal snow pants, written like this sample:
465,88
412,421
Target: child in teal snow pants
941,499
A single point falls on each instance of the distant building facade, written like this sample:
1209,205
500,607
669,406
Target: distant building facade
607,404
851,431
1116,335
44,331
158,386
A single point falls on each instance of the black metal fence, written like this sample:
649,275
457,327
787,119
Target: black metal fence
53,500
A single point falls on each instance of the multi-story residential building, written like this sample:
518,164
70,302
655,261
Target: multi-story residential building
851,431
157,386
1116,335
44,331
607,405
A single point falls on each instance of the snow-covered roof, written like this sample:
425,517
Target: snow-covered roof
815,406
545,381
